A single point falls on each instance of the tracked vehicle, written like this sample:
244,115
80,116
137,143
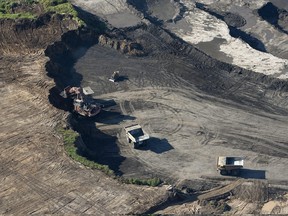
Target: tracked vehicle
83,103
114,77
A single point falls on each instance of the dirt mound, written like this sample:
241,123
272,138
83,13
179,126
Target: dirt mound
124,46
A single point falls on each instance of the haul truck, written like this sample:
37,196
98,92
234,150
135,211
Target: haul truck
230,165
136,135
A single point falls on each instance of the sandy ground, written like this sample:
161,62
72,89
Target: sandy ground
275,207
185,123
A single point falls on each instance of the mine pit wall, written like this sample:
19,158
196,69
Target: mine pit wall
22,50
25,36
61,58
62,55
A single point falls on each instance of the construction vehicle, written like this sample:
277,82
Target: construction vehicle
83,103
230,165
114,77
136,135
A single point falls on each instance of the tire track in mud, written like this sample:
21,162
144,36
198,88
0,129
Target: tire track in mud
278,96
279,148
167,73
266,144
155,96
127,150
128,108
174,116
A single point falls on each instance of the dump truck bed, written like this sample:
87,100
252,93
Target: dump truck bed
229,163
135,133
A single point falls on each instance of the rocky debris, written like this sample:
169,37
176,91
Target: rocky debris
215,207
254,191
124,46
234,20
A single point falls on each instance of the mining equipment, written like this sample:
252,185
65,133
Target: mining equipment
114,77
83,103
230,165
136,135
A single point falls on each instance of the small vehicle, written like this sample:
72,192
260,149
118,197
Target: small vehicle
230,165
136,135
114,77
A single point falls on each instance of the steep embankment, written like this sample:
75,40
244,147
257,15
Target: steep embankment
36,175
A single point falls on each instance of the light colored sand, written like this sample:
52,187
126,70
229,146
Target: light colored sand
203,27
275,207
245,56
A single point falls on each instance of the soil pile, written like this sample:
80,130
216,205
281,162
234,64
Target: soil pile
124,46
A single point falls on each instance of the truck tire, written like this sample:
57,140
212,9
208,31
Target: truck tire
223,172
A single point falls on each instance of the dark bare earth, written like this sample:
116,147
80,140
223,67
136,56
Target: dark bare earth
194,107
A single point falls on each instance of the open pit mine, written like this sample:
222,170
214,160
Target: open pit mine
126,107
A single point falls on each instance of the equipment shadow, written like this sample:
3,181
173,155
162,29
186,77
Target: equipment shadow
111,117
98,146
122,78
157,145
253,174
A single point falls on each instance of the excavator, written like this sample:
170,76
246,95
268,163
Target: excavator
83,103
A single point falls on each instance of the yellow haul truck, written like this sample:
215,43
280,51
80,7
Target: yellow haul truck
136,135
229,165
